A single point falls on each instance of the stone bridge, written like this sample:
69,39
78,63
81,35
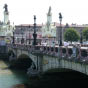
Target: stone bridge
46,57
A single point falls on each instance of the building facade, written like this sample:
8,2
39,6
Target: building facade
25,32
78,28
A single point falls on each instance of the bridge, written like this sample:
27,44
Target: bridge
45,58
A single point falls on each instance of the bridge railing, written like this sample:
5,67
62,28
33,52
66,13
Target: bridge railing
66,52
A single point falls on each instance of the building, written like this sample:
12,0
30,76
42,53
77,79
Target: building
78,28
48,33
25,32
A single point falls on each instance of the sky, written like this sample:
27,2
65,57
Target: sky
22,11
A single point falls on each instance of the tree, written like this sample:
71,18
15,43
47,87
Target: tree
71,35
85,34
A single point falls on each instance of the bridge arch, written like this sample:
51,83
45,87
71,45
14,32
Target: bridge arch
54,70
23,62
23,56
64,74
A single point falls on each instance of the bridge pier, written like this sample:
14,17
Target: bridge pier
40,64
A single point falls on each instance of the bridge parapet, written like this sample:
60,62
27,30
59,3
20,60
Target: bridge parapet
65,52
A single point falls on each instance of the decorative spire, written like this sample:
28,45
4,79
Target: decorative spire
49,12
6,7
6,14
49,17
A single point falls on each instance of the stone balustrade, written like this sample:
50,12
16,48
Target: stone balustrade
64,51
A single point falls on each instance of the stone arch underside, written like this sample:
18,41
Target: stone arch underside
53,63
67,65
27,59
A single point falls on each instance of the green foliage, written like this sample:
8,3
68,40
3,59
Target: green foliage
85,34
71,35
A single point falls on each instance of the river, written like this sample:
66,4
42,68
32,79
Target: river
10,78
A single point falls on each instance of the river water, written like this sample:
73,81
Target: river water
9,78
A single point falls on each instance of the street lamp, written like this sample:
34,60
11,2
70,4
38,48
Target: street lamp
60,18
13,41
22,40
29,34
81,38
34,34
13,37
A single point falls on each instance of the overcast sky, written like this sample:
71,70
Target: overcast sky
22,11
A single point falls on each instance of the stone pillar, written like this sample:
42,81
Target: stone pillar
40,64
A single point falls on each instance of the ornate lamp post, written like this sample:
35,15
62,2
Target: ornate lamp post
13,41
34,34
81,38
22,40
29,34
60,18
13,37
